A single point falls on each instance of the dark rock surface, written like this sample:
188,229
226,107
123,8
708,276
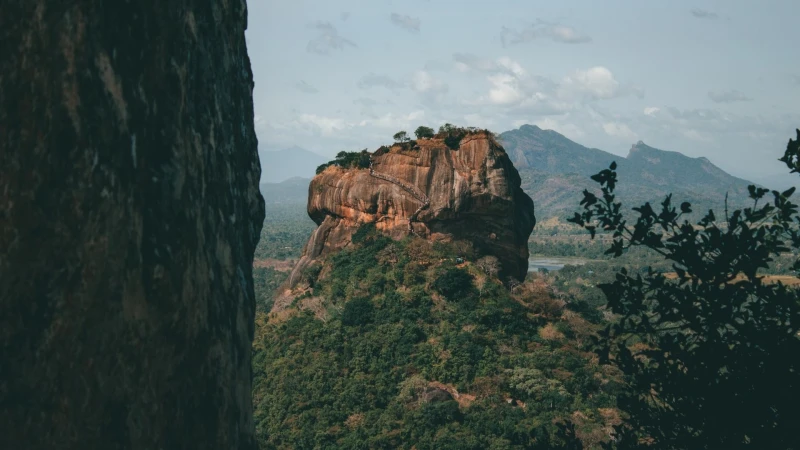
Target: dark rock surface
129,214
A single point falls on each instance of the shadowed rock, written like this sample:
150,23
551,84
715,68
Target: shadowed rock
129,214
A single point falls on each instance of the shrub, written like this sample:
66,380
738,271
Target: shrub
358,311
401,136
707,354
424,132
348,160
454,283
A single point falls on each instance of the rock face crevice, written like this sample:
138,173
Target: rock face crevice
472,193
129,214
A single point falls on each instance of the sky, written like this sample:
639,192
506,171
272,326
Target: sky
719,79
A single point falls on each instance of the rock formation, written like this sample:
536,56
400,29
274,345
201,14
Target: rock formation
471,193
129,214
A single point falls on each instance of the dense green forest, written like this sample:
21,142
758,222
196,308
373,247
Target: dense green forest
398,346
285,232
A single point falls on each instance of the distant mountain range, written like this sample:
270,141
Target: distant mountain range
281,165
291,191
556,170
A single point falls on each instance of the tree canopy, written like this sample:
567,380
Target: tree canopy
424,132
711,358
401,136
348,160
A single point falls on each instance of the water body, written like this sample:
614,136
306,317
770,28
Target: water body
551,263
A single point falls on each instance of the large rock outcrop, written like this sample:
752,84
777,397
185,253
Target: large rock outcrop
471,193
129,214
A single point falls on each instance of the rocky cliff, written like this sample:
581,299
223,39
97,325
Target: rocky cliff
471,193
129,214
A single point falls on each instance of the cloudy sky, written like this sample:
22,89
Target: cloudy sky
710,78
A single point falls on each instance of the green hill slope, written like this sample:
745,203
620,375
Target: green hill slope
394,345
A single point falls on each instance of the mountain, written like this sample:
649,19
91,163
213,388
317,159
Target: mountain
555,170
280,165
291,191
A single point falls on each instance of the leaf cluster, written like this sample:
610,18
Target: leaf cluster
711,356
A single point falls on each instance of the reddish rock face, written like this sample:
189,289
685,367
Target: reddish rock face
472,193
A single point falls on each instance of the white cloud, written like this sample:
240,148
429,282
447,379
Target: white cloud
569,130
477,120
596,82
393,121
505,89
619,130
326,125
422,81
553,31
728,96
651,110
511,65
466,62
696,136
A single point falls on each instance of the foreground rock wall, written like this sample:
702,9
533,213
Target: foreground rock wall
129,214
473,193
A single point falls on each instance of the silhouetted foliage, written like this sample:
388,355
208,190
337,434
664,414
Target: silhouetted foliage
424,132
452,135
454,283
401,136
357,311
348,160
711,357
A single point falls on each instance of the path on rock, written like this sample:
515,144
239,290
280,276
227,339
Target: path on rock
411,189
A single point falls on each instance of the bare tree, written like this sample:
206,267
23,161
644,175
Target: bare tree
489,264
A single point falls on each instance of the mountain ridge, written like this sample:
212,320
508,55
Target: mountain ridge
555,170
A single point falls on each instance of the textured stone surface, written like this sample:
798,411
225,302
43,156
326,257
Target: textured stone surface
474,194
129,213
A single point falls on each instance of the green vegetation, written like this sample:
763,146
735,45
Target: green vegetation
424,132
709,356
266,281
401,136
398,347
348,160
285,232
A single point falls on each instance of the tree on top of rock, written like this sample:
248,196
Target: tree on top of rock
424,132
401,136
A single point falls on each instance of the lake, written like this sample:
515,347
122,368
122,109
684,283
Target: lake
536,263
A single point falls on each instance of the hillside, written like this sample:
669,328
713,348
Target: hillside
281,165
555,170
398,345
